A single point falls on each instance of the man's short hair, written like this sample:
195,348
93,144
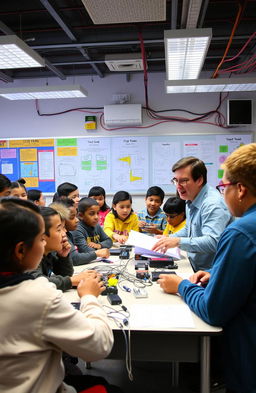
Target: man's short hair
198,167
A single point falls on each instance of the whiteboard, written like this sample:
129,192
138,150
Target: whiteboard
131,163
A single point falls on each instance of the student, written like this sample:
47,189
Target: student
36,196
18,189
206,214
37,322
67,190
121,220
174,209
98,193
5,186
229,299
71,221
56,263
89,237
152,220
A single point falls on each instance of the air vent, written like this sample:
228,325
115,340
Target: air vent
124,62
125,11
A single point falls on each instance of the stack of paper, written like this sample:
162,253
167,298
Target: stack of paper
144,244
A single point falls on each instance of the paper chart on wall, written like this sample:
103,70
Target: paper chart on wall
94,163
226,144
66,161
164,155
129,163
205,151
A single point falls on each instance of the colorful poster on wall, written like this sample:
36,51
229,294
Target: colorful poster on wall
24,160
94,163
205,151
9,163
129,163
226,144
66,161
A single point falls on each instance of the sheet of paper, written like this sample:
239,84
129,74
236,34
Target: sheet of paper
144,244
160,317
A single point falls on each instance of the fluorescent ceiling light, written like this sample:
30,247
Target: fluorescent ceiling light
185,52
211,85
43,92
15,53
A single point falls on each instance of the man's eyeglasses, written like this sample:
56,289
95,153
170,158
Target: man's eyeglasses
181,182
221,187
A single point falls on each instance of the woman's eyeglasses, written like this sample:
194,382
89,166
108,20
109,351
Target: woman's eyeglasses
221,187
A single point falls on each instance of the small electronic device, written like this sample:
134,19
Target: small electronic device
110,290
76,305
142,274
155,275
161,262
114,299
140,292
115,251
128,246
141,265
124,254
139,257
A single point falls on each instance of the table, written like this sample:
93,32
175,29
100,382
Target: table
170,345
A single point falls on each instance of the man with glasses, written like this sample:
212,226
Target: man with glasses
206,214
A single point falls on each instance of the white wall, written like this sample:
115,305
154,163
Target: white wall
19,119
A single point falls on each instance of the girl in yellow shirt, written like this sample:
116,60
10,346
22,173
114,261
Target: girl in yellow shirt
121,219
174,209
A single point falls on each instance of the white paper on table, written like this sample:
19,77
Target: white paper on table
154,316
144,244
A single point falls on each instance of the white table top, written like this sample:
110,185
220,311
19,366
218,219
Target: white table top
156,296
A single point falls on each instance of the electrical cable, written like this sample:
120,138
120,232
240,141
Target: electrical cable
237,20
127,337
145,73
242,49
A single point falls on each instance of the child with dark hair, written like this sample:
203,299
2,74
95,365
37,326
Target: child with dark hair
152,220
5,186
98,193
36,196
67,190
174,209
121,220
89,237
56,263
37,322
18,189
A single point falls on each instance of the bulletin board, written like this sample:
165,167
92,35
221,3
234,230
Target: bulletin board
131,163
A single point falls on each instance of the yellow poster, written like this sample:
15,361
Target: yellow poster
28,154
31,181
67,151
31,143
3,143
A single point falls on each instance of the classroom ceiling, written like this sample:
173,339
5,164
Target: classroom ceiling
64,34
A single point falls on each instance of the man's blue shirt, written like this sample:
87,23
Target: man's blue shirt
206,218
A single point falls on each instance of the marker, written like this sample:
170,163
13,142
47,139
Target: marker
127,289
106,260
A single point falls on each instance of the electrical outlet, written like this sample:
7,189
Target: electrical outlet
121,98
